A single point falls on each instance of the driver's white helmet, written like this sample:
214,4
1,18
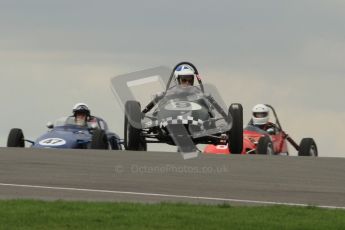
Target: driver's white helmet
184,73
81,108
260,114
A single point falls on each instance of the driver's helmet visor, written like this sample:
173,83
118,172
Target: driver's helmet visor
79,113
186,79
260,114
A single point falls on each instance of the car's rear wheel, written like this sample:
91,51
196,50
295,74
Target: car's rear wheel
114,143
235,135
265,146
16,138
99,140
133,138
308,147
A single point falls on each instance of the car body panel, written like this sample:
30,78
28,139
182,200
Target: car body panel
251,136
187,106
66,135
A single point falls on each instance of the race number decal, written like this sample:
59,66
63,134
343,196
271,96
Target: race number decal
52,142
183,105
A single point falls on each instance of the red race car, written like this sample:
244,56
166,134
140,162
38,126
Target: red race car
272,141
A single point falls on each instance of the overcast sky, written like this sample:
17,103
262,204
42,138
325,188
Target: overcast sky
290,54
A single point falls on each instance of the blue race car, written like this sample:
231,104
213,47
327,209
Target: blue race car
67,134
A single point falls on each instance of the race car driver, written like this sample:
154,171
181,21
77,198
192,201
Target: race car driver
260,118
82,115
184,76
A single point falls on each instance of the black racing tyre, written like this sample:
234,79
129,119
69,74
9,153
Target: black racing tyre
265,146
307,147
133,138
99,140
114,143
16,138
235,135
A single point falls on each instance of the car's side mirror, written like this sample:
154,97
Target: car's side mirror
271,131
50,125
93,126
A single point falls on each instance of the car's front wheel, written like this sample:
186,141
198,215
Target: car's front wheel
99,140
16,138
114,144
235,135
265,146
132,130
308,147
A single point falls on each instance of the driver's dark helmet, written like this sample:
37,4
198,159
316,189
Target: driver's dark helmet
81,108
184,75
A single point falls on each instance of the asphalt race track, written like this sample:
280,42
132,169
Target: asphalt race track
167,177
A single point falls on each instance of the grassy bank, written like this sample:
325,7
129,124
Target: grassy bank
28,214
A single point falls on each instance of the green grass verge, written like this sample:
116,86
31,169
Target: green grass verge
29,214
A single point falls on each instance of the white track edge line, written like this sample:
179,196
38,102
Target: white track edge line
170,196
